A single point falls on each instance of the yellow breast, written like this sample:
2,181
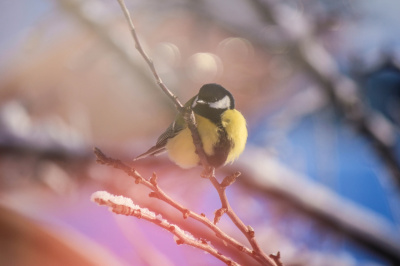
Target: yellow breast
235,126
181,149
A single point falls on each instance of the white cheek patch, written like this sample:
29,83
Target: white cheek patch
224,103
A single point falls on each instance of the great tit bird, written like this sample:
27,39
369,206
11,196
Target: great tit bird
221,127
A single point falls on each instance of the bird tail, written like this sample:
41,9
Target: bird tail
153,151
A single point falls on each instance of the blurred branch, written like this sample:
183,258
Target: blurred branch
321,66
50,138
125,206
268,176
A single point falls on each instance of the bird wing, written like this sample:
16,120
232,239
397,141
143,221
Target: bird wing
169,133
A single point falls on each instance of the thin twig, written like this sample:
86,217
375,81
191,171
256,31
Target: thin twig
187,113
248,231
148,60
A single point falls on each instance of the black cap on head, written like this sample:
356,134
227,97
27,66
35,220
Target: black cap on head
212,101
213,93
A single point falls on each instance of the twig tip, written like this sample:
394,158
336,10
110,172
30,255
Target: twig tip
153,179
250,231
218,214
277,258
186,213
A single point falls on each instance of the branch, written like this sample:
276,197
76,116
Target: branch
158,193
248,231
148,60
125,206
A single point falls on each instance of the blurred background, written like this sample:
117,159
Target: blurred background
317,80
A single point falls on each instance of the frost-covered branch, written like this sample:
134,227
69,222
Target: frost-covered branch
125,206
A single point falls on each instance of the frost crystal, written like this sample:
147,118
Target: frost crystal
159,217
104,196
